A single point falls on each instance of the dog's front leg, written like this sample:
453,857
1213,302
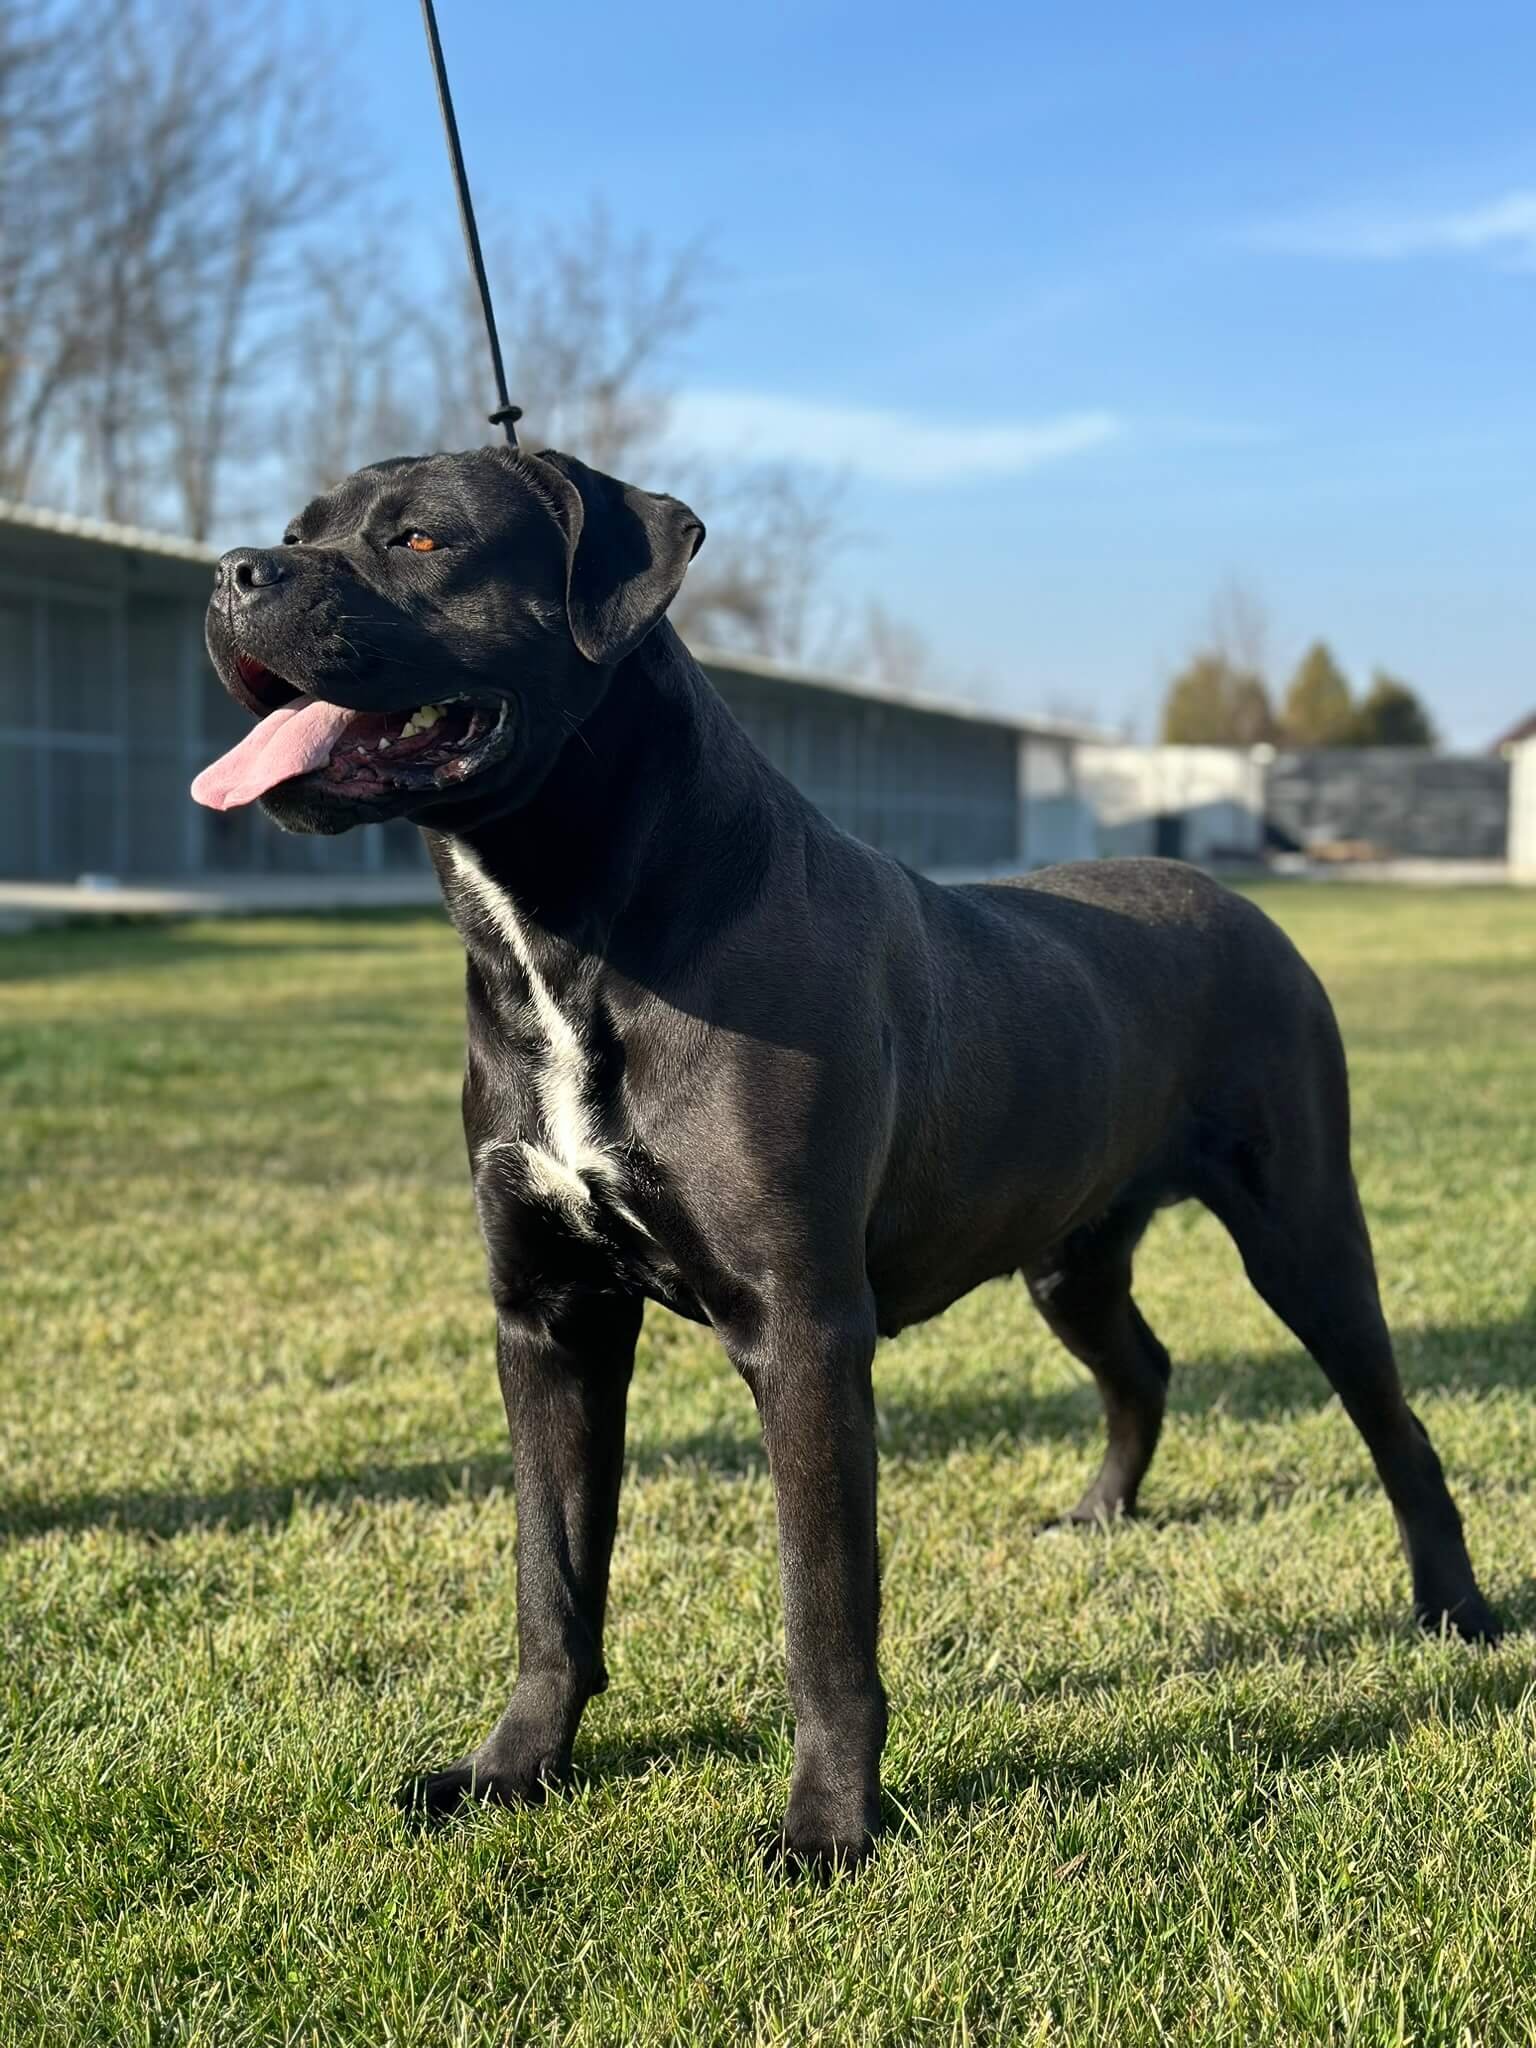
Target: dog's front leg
565,1381
810,1377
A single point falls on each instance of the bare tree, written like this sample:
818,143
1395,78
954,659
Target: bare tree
41,230
761,585
359,396
598,320
593,325
181,290
1237,627
238,266
158,200
893,652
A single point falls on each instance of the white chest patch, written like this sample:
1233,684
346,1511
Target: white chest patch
572,1163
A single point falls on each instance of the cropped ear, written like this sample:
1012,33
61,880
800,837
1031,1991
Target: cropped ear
626,552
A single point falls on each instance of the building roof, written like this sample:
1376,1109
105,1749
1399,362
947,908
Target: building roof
108,531
145,540
884,693
1524,729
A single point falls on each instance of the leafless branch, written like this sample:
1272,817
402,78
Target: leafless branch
184,303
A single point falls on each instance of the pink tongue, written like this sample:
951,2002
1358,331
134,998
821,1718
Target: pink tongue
292,741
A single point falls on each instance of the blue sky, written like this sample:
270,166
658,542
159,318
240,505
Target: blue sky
1094,307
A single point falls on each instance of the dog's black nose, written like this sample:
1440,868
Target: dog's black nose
247,572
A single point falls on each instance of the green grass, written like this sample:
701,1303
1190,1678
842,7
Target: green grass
1197,1781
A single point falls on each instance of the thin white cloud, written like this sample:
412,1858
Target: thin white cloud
1504,229
888,446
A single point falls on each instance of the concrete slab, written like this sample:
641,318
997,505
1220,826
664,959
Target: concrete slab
1420,874
24,906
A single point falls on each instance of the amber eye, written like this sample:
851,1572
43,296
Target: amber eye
420,543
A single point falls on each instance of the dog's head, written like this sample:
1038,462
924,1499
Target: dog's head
432,632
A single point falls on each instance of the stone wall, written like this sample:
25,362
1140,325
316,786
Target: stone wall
1407,803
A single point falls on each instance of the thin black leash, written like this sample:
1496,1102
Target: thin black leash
506,412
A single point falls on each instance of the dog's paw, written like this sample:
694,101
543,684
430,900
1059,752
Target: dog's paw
431,1796
817,1852
818,1838
1086,1516
1469,1617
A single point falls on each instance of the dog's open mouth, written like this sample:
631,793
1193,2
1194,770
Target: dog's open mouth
358,754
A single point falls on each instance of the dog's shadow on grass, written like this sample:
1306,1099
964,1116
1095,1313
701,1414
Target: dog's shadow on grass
1271,1743
272,1506
609,1758
1462,1358
1268,1743
926,1428
1474,1358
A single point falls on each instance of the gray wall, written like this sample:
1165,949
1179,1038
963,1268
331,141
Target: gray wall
1214,803
937,792
1411,804
108,708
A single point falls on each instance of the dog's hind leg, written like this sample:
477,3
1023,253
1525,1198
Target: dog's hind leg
1084,1293
1289,1201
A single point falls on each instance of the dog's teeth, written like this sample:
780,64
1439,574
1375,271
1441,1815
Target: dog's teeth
422,719
383,746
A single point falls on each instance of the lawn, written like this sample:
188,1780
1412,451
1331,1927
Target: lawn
1195,1781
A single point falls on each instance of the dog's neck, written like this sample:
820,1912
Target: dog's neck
656,825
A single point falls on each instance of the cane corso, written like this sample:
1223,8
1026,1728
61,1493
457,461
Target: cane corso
724,1057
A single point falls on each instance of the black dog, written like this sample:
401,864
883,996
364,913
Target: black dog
724,1057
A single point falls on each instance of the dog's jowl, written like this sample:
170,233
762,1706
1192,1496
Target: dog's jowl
724,1057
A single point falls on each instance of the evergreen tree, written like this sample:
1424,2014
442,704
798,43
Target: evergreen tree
1213,702
1319,709
1392,715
